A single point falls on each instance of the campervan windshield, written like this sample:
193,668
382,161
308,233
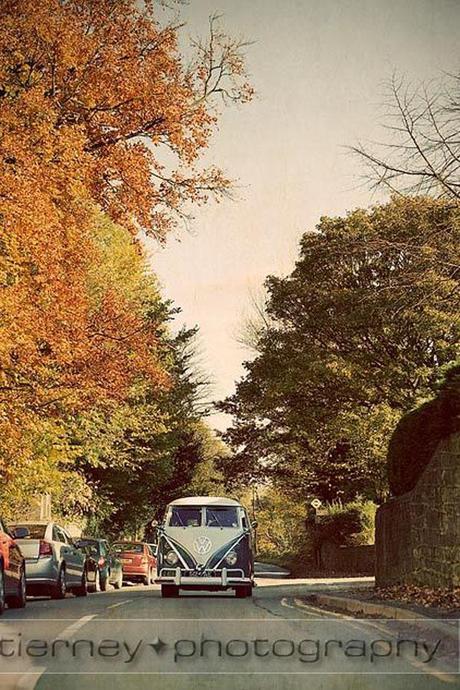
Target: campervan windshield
183,516
221,517
215,516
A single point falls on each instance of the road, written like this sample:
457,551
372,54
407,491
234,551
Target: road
132,638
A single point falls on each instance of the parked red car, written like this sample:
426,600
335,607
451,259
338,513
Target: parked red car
12,569
139,563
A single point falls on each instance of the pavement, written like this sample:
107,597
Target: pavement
132,638
263,570
345,602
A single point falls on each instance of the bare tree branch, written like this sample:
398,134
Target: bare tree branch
423,155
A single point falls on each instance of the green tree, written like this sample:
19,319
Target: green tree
138,455
352,338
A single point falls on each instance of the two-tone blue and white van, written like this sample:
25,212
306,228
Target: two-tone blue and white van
205,543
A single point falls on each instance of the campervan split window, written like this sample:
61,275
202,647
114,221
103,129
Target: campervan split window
182,516
225,516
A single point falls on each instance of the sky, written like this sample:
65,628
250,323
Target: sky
319,68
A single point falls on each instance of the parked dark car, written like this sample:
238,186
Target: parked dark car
139,563
12,569
103,566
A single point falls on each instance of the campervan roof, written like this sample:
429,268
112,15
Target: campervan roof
205,501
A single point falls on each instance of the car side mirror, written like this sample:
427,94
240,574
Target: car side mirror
21,533
254,524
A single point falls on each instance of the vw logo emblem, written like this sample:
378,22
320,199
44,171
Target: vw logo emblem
202,545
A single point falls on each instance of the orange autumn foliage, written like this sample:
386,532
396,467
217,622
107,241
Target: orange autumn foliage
92,92
56,347
105,74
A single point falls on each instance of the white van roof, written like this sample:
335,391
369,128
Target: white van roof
205,501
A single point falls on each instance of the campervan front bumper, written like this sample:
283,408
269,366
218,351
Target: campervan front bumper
222,578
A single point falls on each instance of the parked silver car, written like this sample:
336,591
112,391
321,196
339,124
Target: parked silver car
54,564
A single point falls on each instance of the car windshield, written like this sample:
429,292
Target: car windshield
221,517
35,531
185,517
130,548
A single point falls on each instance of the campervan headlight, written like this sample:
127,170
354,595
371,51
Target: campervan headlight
172,558
231,557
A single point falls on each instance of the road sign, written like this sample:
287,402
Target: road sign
316,503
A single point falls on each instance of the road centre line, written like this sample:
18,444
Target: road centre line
120,603
71,629
29,680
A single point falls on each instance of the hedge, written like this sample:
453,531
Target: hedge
419,432
350,524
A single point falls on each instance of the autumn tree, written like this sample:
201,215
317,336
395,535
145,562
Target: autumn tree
91,95
104,83
98,112
353,338
119,461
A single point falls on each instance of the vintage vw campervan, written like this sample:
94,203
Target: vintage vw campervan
205,543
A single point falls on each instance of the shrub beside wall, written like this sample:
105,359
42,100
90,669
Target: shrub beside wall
349,524
298,542
419,433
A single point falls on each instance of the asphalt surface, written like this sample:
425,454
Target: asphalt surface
132,638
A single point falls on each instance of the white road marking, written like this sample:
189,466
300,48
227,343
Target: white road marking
120,603
29,680
71,629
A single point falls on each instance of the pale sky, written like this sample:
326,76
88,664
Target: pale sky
318,67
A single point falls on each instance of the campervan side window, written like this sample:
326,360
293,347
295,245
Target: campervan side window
185,517
221,517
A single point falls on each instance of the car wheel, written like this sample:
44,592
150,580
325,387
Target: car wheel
97,581
2,589
119,582
59,590
18,601
82,590
169,591
104,582
146,579
243,591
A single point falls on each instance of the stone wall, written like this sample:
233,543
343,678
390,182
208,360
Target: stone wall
418,533
353,560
